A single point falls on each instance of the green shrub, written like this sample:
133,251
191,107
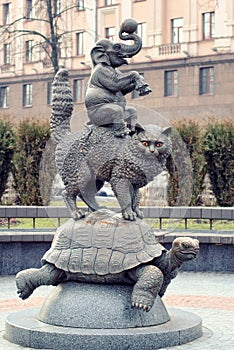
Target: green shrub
47,172
190,137
219,153
32,136
180,170
7,145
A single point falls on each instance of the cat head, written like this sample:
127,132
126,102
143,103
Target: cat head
152,140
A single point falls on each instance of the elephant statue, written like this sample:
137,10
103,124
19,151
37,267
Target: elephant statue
105,97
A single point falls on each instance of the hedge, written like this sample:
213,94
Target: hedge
31,138
7,146
218,146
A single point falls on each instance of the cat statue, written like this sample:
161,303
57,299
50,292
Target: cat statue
85,160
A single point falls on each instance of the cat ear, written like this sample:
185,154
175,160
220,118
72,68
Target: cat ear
139,128
167,131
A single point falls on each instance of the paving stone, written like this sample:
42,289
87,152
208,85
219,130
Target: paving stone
209,295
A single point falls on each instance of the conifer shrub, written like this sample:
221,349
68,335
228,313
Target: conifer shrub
190,137
218,147
31,138
47,172
7,145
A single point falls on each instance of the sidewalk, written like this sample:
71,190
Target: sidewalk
209,295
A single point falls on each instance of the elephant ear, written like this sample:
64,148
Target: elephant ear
99,55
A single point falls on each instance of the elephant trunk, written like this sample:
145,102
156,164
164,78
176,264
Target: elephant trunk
129,50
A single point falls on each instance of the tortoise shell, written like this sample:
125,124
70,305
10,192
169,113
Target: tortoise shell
102,243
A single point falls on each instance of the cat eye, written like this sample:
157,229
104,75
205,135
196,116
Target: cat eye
145,143
158,144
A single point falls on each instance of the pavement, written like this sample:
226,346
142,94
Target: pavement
209,295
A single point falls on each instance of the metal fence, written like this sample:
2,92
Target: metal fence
159,214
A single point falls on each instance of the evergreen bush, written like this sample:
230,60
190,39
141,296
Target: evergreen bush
190,137
31,139
7,144
218,147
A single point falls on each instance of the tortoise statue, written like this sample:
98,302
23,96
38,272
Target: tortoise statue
105,248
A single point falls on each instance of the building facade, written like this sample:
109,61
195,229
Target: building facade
187,56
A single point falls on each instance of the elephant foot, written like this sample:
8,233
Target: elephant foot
122,132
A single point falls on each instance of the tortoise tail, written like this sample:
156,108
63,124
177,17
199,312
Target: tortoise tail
62,106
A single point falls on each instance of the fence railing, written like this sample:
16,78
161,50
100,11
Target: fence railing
8,214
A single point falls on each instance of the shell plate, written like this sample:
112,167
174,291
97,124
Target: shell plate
102,243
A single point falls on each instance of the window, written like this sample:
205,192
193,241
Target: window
27,95
78,90
108,2
4,96
49,93
79,43
57,7
110,33
208,20
80,5
177,30
141,31
29,9
29,50
7,53
135,93
171,83
6,14
206,80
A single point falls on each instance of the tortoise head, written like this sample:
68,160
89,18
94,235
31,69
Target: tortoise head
185,248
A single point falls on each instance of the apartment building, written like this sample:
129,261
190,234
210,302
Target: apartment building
187,56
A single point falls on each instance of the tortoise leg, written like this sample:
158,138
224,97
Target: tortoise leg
30,279
149,282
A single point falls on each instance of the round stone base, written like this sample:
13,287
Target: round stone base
90,316
85,305
25,329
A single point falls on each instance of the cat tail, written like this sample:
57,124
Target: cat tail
61,107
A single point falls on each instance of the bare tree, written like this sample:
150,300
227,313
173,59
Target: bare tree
50,26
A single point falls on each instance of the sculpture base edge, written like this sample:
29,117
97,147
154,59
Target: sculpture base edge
25,329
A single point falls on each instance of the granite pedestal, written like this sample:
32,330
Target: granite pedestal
90,317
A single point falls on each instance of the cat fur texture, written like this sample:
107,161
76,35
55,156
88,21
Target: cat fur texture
85,160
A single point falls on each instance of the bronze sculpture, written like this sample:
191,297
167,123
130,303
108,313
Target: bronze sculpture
105,97
104,247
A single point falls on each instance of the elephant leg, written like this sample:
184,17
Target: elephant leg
130,117
108,115
30,279
147,287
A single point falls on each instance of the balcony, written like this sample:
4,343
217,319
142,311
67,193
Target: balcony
169,49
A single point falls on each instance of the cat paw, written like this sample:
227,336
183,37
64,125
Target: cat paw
77,215
139,214
129,215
